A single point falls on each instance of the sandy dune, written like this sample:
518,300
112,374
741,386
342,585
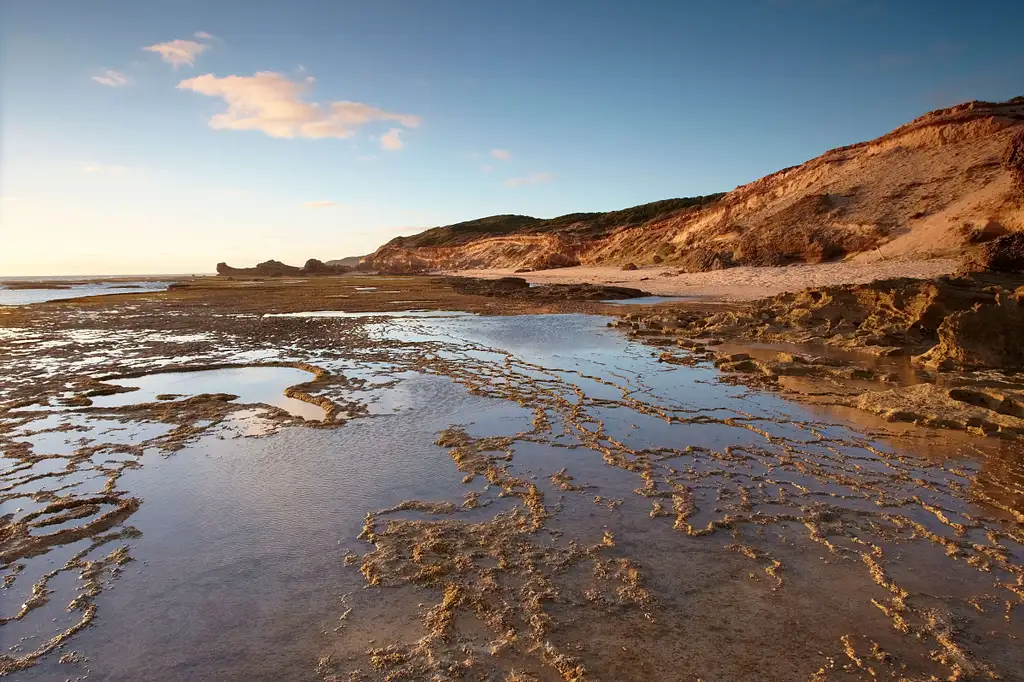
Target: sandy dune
733,284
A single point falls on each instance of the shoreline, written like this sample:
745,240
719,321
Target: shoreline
731,285
728,453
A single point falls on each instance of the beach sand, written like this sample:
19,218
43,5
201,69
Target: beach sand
733,284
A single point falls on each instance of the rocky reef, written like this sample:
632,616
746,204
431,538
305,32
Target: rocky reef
943,353
967,322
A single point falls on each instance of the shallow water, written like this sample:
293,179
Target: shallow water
251,384
239,571
649,300
27,296
394,313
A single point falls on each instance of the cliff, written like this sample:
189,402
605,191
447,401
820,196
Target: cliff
928,188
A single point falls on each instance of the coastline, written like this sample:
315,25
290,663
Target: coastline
732,284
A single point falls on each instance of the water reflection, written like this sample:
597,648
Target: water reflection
20,296
705,484
251,385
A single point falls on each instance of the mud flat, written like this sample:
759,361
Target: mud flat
526,493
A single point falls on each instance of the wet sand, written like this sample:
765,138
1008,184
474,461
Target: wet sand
522,494
732,284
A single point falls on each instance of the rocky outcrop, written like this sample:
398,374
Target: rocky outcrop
974,322
1003,254
274,268
270,268
984,337
316,267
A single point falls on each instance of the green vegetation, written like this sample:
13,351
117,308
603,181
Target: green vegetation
589,225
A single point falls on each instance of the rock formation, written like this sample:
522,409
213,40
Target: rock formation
950,323
1004,254
317,267
274,268
270,268
985,337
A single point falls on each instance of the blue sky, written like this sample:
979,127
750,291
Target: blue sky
305,129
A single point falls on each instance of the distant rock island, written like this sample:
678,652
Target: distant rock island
275,268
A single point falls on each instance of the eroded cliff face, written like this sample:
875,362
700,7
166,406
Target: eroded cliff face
514,252
928,188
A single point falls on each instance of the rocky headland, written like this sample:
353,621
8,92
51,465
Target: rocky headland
274,268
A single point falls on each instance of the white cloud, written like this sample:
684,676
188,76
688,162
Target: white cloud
101,169
178,52
203,35
501,154
532,179
392,140
111,78
319,204
272,104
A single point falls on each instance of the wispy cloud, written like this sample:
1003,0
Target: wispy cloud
392,140
273,104
203,35
532,179
179,52
102,169
319,204
112,79
501,154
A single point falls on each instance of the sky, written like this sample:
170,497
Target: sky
164,137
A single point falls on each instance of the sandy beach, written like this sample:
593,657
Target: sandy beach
733,284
